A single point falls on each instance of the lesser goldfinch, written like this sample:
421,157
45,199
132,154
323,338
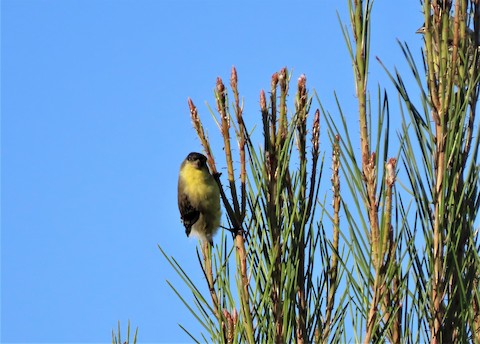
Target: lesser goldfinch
198,198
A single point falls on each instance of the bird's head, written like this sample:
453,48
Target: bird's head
197,160
421,30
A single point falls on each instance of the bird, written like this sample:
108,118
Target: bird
198,198
465,63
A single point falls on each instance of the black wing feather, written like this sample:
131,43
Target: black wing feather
188,213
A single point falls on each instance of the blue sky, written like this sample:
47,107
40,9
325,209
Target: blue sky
95,124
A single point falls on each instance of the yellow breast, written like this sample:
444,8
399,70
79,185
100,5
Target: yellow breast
200,186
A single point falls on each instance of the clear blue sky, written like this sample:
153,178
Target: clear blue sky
95,124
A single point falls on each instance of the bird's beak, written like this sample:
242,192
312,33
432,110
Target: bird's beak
421,30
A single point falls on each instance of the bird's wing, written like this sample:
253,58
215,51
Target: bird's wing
188,213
